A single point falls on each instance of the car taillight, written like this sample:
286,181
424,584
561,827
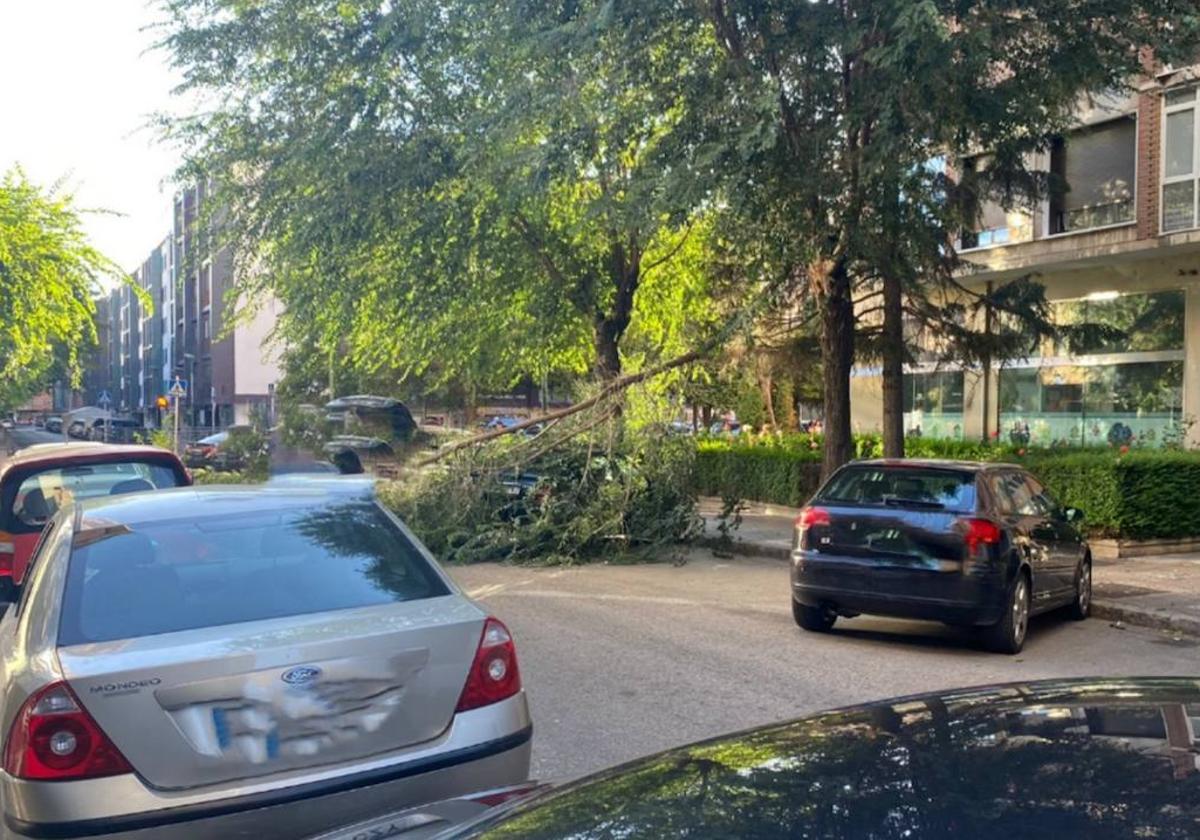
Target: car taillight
809,518
980,532
8,555
54,739
494,675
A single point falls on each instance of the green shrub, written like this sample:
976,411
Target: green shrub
1134,494
205,476
757,472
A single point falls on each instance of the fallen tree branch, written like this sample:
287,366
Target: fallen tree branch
619,384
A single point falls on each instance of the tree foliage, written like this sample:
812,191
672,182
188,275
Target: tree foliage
839,110
48,276
459,196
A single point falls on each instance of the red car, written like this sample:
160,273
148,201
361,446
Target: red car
38,480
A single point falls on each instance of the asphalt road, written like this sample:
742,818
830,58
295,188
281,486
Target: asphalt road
23,436
621,661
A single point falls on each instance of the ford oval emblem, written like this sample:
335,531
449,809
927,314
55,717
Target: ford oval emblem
303,675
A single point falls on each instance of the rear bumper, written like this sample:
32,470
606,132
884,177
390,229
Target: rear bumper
954,593
482,749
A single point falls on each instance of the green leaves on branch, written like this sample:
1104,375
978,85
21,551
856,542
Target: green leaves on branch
48,275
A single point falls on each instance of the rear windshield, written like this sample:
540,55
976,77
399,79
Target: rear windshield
141,580
901,486
41,494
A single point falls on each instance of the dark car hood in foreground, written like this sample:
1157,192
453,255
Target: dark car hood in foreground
1064,759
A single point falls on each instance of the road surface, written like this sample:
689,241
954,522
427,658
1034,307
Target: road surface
23,436
621,661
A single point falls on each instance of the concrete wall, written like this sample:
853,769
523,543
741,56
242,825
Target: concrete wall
256,365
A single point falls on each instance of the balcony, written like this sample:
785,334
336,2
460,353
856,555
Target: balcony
1093,173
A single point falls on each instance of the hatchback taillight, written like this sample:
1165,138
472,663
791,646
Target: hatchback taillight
54,739
980,532
809,518
494,675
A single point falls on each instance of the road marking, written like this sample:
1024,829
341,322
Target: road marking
491,589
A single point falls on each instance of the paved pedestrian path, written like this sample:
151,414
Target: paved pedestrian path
1161,592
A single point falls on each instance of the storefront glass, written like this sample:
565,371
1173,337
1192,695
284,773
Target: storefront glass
933,404
1111,404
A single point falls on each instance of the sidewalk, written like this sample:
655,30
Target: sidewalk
1160,592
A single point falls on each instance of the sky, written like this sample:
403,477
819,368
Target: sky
79,83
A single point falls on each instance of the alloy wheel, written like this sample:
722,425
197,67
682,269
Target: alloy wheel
1020,609
1084,593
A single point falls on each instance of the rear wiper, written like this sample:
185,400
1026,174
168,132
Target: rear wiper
895,501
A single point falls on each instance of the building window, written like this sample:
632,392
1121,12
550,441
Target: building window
1180,155
933,404
994,224
1095,169
1137,323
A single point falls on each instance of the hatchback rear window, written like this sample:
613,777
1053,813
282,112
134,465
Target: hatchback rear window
161,577
41,494
901,486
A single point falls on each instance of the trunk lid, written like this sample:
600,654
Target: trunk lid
217,704
894,515
891,536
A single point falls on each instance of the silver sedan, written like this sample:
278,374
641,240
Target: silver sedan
216,662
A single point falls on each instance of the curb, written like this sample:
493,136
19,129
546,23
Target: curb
1109,610
747,549
1154,619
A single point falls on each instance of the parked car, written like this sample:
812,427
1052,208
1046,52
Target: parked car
1110,758
972,544
201,453
38,480
212,452
226,662
114,430
78,429
371,416
366,449
54,424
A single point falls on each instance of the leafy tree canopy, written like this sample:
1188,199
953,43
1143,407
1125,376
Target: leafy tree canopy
48,276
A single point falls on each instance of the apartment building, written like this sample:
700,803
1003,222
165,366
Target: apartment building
1121,248
175,320
228,362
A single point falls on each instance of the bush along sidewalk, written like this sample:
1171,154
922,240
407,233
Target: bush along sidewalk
1127,493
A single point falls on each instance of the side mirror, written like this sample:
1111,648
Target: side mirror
1074,515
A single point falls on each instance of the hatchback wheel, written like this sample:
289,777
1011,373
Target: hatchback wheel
1008,634
1081,607
814,619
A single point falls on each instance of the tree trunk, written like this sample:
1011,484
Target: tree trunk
765,385
986,366
607,336
625,269
837,358
893,367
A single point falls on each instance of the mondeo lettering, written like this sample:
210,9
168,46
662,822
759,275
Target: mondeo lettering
125,686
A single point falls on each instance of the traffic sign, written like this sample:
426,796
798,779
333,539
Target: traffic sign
179,388
104,400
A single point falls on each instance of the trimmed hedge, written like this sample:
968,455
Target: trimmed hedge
1137,494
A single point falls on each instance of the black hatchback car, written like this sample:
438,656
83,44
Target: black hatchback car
972,544
1106,758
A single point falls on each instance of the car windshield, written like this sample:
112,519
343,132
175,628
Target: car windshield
41,495
901,485
170,575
